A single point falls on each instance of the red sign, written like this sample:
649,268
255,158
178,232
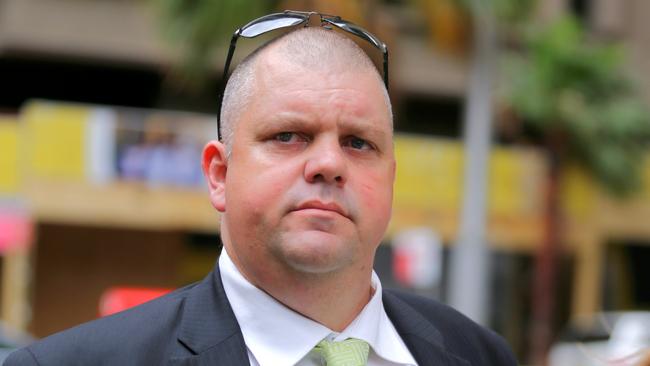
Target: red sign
117,299
15,231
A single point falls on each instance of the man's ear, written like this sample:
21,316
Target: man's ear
215,166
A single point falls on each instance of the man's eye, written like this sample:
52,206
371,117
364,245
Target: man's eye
285,136
359,144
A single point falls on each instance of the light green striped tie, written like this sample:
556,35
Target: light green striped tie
350,352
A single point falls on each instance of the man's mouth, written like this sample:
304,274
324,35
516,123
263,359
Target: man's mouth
324,206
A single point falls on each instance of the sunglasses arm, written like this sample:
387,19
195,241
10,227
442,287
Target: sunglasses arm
231,51
386,66
226,67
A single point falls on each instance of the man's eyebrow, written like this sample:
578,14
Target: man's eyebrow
286,121
365,129
295,122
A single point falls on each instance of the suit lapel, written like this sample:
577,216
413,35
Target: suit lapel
420,336
211,334
209,329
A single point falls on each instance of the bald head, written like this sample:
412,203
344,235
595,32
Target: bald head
309,49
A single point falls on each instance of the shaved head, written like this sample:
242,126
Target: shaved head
313,49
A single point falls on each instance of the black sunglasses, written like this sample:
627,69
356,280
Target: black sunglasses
290,18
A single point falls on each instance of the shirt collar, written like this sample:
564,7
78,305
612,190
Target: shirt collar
373,326
283,336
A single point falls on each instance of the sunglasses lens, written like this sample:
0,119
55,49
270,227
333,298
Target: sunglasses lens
270,23
356,30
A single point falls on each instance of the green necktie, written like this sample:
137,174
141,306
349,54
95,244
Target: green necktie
350,352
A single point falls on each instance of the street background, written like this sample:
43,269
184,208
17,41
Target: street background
522,195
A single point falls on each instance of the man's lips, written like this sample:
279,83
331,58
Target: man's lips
324,206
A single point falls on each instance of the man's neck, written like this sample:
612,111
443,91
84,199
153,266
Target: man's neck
331,299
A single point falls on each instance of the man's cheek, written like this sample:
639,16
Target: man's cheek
376,193
263,200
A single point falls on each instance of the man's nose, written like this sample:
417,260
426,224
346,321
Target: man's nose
326,163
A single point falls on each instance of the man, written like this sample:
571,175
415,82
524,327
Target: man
303,179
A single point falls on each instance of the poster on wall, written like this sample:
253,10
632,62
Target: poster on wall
102,144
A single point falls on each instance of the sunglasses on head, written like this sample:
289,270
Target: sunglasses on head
291,18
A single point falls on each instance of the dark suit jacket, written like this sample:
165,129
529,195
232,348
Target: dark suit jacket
195,326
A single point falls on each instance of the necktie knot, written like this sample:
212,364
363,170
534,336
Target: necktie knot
350,352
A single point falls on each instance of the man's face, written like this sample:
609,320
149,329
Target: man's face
309,182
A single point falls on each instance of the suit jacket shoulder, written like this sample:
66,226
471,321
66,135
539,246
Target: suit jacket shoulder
138,336
451,335
190,326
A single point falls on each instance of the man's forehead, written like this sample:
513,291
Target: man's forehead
276,63
276,69
357,94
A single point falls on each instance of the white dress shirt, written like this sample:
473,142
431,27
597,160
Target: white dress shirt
278,336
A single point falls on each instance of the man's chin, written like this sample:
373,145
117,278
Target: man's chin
315,252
